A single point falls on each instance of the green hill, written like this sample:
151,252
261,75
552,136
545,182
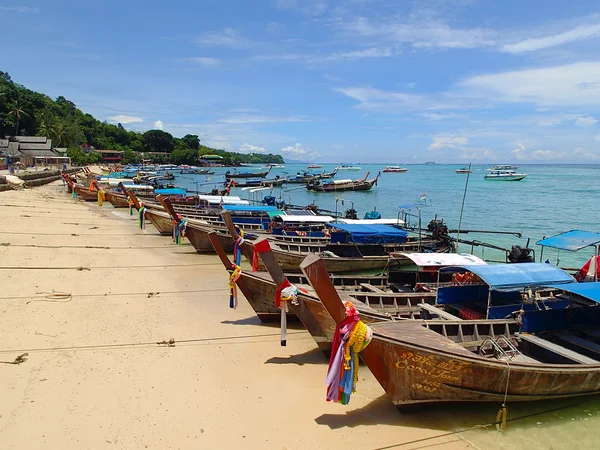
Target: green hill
28,113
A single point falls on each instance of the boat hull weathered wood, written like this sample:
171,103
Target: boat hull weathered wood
86,194
415,364
117,200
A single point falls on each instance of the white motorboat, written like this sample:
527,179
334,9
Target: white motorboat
395,169
504,175
352,168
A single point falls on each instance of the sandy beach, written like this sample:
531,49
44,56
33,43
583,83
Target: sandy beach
94,376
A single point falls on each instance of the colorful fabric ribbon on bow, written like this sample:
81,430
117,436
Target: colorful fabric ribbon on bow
235,275
237,248
179,228
101,197
142,217
351,337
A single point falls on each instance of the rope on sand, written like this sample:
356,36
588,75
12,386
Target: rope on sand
82,268
150,294
170,343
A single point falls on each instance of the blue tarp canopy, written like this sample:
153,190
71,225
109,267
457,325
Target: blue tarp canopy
249,208
371,234
590,290
170,191
571,240
516,276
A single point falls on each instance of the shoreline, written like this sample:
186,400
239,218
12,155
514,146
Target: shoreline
95,377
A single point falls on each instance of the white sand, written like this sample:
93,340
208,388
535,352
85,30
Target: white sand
236,386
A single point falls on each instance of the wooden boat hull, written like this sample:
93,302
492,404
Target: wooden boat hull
198,237
260,294
161,221
233,176
426,368
290,261
86,194
117,200
342,187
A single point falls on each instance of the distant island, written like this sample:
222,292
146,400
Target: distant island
24,112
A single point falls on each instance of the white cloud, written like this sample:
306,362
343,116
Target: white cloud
419,32
585,121
436,116
299,150
201,60
250,118
389,101
353,55
448,141
575,84
274,27
158,125
228,37
249,148
125,119
19,9
576,34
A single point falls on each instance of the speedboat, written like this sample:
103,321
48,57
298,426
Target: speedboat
353,168
504,175
463,170
314,166
395,169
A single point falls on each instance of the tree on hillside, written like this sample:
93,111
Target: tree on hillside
192,141
158,141
17,112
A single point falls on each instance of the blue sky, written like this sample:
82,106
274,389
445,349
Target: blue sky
334,81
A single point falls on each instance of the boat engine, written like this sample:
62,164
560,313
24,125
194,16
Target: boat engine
438,229
350,213
518,254
269,200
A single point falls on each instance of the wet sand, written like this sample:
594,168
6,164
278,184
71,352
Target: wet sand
95,376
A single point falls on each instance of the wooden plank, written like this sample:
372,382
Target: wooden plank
368,287
555,348
578,341
439,312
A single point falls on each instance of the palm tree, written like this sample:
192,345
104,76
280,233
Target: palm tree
58,133
16,111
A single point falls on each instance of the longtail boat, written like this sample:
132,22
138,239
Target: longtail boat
343,185
550,354
229,175
197,232
374,306
345,256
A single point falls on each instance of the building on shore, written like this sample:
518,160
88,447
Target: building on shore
110,156
30,151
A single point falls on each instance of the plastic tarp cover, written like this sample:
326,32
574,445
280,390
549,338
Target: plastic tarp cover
571,240
440,259
249,208
368,234
515,276
170,191
591,290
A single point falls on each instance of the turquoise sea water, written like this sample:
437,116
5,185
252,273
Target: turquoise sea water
552,199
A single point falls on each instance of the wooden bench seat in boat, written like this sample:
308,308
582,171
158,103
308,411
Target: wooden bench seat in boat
375,289
438,311
555,348
578,341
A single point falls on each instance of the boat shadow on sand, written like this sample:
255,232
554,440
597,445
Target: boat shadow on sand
476,421
313,356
